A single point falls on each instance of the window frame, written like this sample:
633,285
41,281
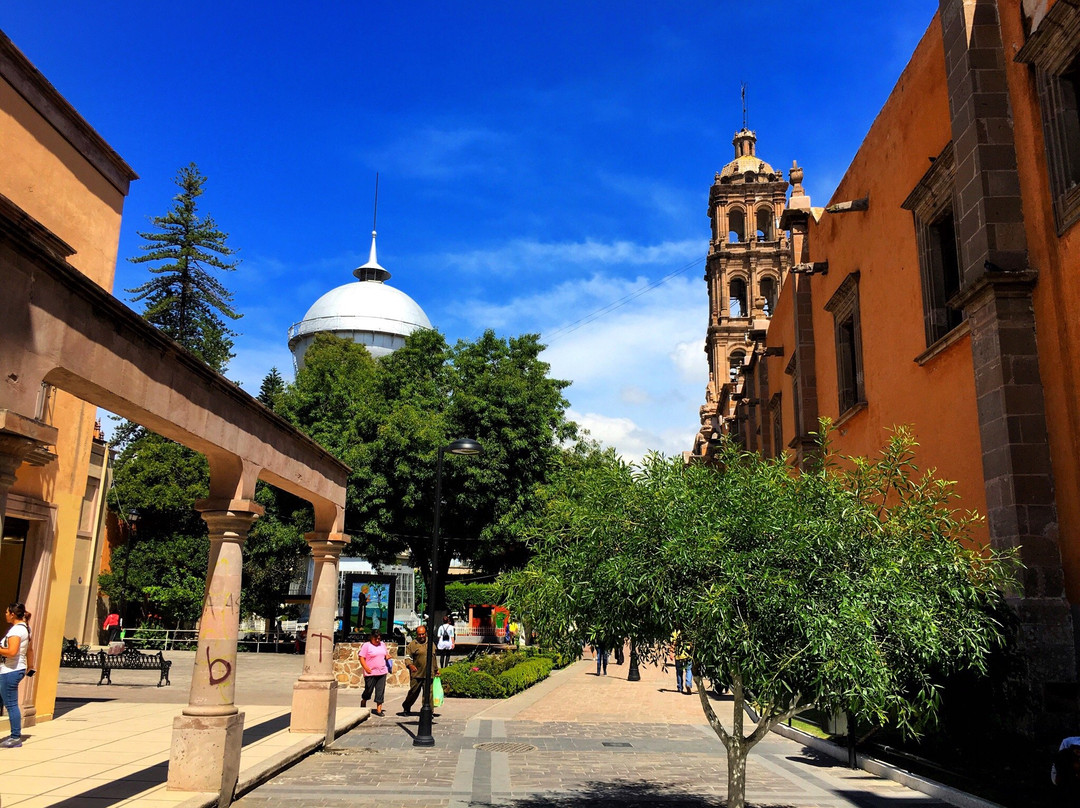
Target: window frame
850,382
931,203
1053,50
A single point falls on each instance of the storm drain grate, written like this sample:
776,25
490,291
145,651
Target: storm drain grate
616,743
511,748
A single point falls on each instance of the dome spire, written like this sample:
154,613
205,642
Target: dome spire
371,271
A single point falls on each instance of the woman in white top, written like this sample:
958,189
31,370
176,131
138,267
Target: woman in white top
14,651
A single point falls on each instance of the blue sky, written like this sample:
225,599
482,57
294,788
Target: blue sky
538,163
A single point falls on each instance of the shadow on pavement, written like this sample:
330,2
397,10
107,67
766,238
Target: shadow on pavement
66,705
627,794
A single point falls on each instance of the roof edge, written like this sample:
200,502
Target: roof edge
46,100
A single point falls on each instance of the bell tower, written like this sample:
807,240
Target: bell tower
748,259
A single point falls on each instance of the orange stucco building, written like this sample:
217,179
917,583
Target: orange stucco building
940,288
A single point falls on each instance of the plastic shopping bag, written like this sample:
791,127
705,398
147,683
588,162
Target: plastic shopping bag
436,692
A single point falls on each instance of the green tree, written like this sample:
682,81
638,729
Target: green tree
183,298
849,587
387,420
161,568
275,551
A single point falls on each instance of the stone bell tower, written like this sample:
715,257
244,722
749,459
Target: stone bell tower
748,259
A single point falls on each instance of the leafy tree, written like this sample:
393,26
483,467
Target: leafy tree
387,420
161,568
184,299
275,551
851,586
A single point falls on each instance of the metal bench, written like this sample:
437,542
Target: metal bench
132,660
71,656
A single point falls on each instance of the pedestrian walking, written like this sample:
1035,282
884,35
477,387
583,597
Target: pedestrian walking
683,663
446,638
112,626
17,663
373,655
620,651
601,659
417,652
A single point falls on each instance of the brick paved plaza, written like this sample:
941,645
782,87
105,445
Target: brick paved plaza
576,740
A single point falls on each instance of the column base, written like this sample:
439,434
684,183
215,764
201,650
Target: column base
205,754
314,708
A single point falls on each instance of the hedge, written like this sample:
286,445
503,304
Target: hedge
525,675
460,596
461,681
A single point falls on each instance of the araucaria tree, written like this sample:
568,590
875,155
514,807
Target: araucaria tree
160,570
183,298
852,586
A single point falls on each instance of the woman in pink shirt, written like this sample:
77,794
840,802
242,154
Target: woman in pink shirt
373,655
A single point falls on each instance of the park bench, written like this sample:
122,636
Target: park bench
71,656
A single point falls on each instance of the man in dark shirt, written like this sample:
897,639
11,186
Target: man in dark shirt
417,652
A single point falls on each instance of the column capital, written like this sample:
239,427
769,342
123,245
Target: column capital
229,520
327,544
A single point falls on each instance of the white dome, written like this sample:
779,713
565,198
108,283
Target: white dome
369,312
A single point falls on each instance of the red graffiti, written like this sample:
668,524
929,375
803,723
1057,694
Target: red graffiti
321,638
210,663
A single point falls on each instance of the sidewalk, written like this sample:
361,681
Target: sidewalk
109,745
573,740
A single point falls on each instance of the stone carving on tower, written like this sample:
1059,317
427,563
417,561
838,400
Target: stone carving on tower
749,257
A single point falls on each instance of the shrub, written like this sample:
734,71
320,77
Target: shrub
525,675
495,664
460,596
462,681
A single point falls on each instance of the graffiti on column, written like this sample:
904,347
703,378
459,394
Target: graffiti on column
210,663
230,604
321,638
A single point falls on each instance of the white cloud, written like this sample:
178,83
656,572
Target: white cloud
443,153
515,255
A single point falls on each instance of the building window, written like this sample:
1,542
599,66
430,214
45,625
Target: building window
792,370
1054,50
931,204
776,414
844,305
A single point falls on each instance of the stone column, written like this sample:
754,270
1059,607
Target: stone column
207,735
314,703
996,296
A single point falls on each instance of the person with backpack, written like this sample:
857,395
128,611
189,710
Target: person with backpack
446,637
17,662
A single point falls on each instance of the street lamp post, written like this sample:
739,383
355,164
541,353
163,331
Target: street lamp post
462,446
634,674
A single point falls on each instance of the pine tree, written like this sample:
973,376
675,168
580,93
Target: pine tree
272,388
183,298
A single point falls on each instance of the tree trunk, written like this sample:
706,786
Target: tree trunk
736,775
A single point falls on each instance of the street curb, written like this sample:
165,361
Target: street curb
254,776
931,788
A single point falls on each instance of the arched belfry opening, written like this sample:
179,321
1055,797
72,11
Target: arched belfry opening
768,290
737,302
736,226
765,224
